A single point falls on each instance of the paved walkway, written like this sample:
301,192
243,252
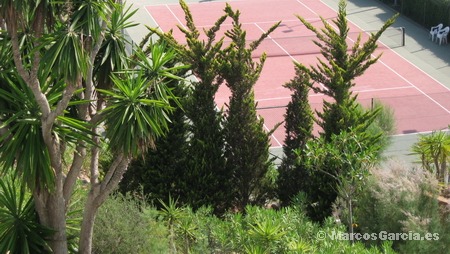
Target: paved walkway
368,15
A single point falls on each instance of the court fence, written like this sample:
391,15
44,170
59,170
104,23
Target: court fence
425,12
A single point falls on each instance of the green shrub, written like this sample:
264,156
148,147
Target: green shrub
20,231
127,225
399,199
262,230
383,123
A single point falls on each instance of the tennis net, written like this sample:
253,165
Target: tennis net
393,37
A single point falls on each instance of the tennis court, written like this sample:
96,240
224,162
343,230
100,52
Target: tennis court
420,102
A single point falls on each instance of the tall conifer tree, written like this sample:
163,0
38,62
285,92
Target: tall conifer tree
205,178
247,143
334,76
293,175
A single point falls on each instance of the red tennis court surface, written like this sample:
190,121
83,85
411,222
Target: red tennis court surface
420,103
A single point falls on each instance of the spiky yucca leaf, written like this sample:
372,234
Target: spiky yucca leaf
20,231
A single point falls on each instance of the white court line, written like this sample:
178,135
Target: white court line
307,7
356,91
175,16
398,74
265,22
281,47
154,20
383,89
244,23
195,3
272,135
395,72
285,51
264,124
409,82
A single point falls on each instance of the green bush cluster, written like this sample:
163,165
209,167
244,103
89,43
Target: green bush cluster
400,199
125,225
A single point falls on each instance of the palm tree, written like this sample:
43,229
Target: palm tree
434,152
66,80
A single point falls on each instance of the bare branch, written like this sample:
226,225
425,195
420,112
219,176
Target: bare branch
38,28
95,155
4,130
111,171
89,92
74,172
96,119
29,78
108,187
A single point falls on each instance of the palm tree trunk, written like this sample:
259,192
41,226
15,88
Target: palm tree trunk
97,195
51,210
445,172
437,168
87,226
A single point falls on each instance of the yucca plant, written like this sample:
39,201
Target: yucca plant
20,232
267,234
255,249
52,55
172,215
434,152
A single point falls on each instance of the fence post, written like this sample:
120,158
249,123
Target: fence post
403,35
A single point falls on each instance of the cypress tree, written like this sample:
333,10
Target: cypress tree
334,76
247,143
336,73
293,176
205,178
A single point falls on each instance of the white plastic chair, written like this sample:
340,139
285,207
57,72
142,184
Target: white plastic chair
434,31
441,36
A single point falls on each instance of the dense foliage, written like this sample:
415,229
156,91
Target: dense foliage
69,92
299,119
334,76
178,229
402,199
20,231
246,141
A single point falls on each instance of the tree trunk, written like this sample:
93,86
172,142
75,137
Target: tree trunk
437,167
97,195
350,217
445,172
52,214
87,226
172,236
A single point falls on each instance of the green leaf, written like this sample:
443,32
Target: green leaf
20,231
